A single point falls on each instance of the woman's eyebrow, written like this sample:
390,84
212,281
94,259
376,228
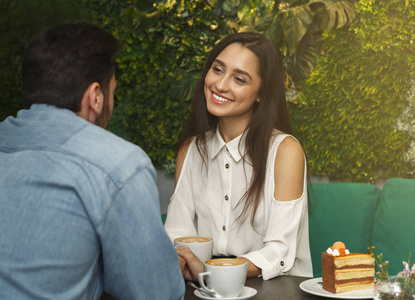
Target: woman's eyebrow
239,71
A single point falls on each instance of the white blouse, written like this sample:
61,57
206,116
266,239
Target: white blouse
206,204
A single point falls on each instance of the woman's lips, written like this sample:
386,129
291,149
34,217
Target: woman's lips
220,99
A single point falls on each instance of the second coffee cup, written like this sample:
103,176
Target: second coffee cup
201,246
224,276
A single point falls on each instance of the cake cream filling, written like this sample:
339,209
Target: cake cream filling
354,274
353,287
365,280
344,261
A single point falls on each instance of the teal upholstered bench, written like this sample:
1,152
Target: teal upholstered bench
393,231
358,214
343,212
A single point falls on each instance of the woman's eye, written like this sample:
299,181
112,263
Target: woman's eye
217,69
240,80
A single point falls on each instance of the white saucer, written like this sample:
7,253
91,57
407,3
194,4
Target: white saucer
314,286
247,293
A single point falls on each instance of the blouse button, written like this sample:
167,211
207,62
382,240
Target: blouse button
227,166
224,228
282,263
226,197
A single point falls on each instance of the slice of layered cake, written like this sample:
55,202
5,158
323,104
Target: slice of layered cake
344,271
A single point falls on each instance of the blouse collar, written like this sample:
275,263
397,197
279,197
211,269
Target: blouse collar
235,147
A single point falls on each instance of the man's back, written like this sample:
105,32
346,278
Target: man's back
79,213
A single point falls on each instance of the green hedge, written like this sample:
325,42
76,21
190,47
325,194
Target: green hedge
355,94
346,115
153,101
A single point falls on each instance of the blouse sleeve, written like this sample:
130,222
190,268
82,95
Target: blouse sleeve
181,217
279,253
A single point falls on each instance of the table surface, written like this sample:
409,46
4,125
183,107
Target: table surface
279,288
282,287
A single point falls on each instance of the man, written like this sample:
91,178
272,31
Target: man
79,211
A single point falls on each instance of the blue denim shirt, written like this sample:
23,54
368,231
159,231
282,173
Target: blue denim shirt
79,213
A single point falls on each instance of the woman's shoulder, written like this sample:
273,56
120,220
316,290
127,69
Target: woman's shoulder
289,169
289,145
285,148
287,141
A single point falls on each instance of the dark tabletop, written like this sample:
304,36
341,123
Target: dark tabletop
282,287
279,288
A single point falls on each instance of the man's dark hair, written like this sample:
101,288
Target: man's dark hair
60,63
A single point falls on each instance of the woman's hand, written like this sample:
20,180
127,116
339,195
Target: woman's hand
190,264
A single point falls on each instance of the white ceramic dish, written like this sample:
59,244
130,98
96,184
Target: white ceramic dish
247,293
314,286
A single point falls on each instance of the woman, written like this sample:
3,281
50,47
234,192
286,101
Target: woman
240,176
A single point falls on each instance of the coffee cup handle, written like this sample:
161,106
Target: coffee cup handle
202,282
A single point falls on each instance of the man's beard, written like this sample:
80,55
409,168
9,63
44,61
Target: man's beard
104,118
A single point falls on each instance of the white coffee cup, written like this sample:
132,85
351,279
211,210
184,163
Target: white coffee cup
201,246
225,276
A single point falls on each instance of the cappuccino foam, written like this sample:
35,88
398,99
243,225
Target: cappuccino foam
225,262
193,239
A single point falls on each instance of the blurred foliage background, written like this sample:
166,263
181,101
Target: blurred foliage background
349,71
356,93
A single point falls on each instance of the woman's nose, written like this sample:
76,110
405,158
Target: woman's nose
222,84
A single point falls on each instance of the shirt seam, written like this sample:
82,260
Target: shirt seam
114,199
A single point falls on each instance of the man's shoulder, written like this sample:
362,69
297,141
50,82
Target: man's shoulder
108,152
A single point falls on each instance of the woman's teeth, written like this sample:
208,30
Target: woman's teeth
219,98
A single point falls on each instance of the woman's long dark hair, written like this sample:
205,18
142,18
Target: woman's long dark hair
269,114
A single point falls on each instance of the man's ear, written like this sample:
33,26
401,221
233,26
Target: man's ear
95,98
92,103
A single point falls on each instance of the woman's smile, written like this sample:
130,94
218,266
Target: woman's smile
220,99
